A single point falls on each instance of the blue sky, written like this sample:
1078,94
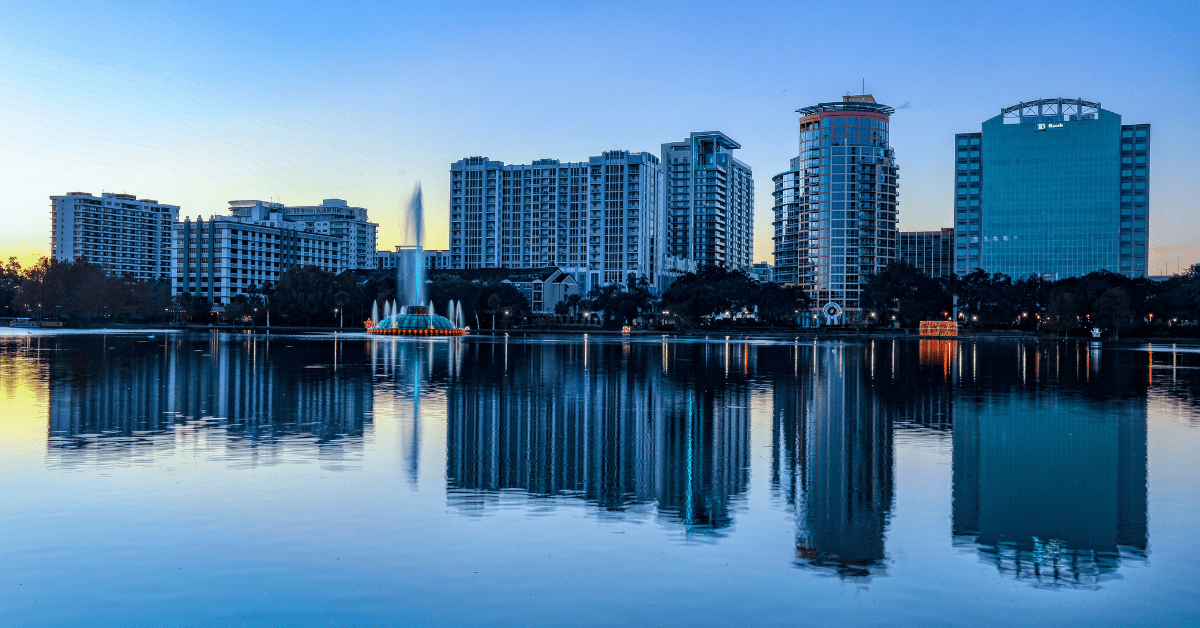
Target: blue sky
196,104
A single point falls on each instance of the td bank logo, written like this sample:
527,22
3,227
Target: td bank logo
1042,126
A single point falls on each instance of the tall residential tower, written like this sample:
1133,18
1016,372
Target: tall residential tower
710,202
1057,188
599,220
835,209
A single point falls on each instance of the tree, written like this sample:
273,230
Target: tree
244,306
1112,309
74,289
710,290
305,292
507,298
10,280
1179,297
445,289
493,305
776,302
194,306
622,303
1062,313
909,293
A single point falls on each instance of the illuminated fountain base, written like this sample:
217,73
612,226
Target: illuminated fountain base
414,320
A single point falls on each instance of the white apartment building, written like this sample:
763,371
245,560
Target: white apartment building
122,233
710,202
598,220
335,217
227,256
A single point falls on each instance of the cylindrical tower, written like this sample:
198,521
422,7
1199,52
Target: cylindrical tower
845,206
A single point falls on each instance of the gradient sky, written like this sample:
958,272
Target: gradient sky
199,103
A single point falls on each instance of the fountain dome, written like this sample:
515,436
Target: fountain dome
415,320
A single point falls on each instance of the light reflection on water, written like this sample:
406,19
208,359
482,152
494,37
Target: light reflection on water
1043,448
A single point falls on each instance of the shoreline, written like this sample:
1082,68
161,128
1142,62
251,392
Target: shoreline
705,333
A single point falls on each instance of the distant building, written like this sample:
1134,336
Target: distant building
598,220
433,259
835,208
762,272
931,252
356,234
710,201
1057,188
544,287
122,233
436,259
228,256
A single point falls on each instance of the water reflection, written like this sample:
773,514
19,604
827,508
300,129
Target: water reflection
1048,442
834,460
122,395
635,426
1049,484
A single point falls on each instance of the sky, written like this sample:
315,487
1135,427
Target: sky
199,103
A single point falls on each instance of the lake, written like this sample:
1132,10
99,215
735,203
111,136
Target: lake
151,478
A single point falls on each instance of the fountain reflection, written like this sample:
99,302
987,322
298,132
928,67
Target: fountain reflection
619,431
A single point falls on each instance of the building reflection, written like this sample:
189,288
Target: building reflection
617,425
833,458
129,392
1049,483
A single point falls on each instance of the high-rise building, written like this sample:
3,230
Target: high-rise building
599,220
790,262
710,201
228,256
122,233
334,216
1057,188
931,252
835,209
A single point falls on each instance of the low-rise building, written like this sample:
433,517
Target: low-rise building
434,259
227,256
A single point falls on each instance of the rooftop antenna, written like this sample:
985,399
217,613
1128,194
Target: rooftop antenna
864,91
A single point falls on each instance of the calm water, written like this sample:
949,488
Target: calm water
164,479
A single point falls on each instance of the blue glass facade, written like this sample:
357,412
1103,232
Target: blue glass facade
835,208
1054,188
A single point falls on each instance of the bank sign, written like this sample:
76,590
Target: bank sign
1042,126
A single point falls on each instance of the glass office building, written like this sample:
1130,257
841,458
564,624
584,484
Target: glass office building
1054,187
835,209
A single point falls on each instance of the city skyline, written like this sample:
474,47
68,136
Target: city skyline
167,109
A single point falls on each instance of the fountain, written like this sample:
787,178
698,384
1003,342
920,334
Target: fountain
416,318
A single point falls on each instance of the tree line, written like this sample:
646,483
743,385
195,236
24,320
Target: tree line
1104,299
79,291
